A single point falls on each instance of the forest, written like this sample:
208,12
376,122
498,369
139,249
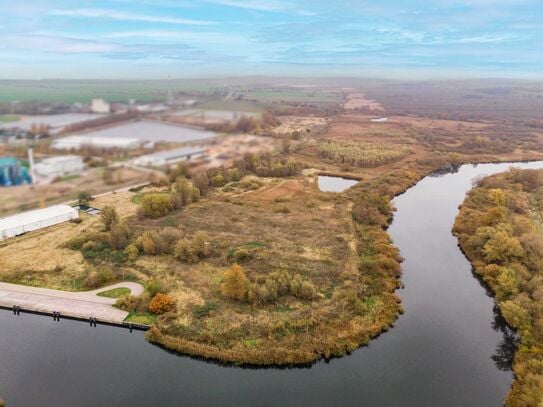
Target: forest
499,227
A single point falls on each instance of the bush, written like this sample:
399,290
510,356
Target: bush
109,217
161,303
119,236
132,252
157,205
235,283
219,181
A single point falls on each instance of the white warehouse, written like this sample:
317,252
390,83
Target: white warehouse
104,143
33,220
170,157
59,166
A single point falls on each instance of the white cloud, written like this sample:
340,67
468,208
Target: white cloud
189,36
116,15
260,5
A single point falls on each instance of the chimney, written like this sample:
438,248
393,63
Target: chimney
31,163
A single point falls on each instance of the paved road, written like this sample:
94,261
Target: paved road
76,304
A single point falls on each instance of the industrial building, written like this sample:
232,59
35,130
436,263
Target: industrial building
12,172
102,143
33,220
59,166
166,158
100,106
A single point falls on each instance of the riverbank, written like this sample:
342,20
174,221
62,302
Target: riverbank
499,229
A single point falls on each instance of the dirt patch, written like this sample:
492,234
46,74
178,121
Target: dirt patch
360,101
284,191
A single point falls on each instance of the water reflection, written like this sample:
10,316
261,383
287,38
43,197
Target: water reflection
504,355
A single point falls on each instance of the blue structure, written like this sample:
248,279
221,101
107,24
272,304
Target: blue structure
12,172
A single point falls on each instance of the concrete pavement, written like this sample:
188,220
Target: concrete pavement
75,304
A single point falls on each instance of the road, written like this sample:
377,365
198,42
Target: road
75,304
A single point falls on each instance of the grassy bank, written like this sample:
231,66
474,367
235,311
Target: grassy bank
499,227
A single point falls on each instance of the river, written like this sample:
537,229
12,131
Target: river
440,353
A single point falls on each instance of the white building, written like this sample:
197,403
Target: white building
104,143
100,106
170,157
33,220
59,166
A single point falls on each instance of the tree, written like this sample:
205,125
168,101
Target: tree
84,197
156,205
109,217
501,248
235,283
161,303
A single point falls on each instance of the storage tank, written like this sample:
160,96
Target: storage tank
12,172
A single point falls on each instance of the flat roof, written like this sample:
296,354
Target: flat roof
37,215
178,152
90,140
59,159
151,130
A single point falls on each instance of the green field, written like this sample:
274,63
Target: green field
84,91
6,118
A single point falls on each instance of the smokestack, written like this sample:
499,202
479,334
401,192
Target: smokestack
31,163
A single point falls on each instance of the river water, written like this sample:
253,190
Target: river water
442,351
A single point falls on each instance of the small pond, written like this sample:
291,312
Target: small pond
334,184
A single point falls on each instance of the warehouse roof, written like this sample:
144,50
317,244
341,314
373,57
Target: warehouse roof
178,152
37,215
59,159
96,141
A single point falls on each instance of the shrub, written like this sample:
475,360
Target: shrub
219,181
109,217
161,303
84,197
132,252
157,205
118,236
235,283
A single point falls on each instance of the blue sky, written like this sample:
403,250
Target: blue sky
175,39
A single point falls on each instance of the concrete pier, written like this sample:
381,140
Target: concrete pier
80,305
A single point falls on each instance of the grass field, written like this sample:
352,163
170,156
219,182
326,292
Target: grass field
6,118
83,91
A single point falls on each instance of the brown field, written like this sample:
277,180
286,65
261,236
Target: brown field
26,197
361,101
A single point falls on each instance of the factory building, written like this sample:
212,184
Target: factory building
13,173
33,220
100,106
59,166
171,157
102,143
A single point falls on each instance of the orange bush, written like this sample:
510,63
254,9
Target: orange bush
161,303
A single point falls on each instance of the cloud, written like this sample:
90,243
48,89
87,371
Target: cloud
116,15
188,36
55,44
260,5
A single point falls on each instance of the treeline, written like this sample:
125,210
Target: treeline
499,229
364,155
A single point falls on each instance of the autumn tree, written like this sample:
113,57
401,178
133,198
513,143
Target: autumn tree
156,205
235,283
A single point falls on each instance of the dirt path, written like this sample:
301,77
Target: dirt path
75,304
